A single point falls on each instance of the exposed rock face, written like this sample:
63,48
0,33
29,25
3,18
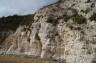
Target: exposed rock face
65,30
8,25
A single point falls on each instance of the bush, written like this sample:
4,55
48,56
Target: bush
13,22
93,17
52,20
79,19
85,11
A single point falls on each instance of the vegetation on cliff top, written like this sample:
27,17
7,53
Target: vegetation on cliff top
12,22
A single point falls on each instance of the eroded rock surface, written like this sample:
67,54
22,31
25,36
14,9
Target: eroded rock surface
65,30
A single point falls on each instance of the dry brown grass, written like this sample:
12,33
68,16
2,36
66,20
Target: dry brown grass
13,59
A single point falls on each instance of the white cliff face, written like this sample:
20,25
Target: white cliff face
64,30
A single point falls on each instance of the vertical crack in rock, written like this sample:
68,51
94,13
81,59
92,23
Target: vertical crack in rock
47,35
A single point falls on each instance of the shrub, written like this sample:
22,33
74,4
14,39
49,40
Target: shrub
85,11
79,19
88,1
52,20
13,22
93,17
66,18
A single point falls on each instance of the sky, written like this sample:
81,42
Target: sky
22,7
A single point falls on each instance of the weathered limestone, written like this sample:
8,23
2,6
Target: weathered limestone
64,30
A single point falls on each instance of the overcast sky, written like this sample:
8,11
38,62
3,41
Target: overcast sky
22,7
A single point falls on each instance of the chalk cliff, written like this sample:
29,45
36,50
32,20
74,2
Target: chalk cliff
65,30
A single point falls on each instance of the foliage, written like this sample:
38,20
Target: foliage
12,22
85,11
93,17
52,20
79,19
